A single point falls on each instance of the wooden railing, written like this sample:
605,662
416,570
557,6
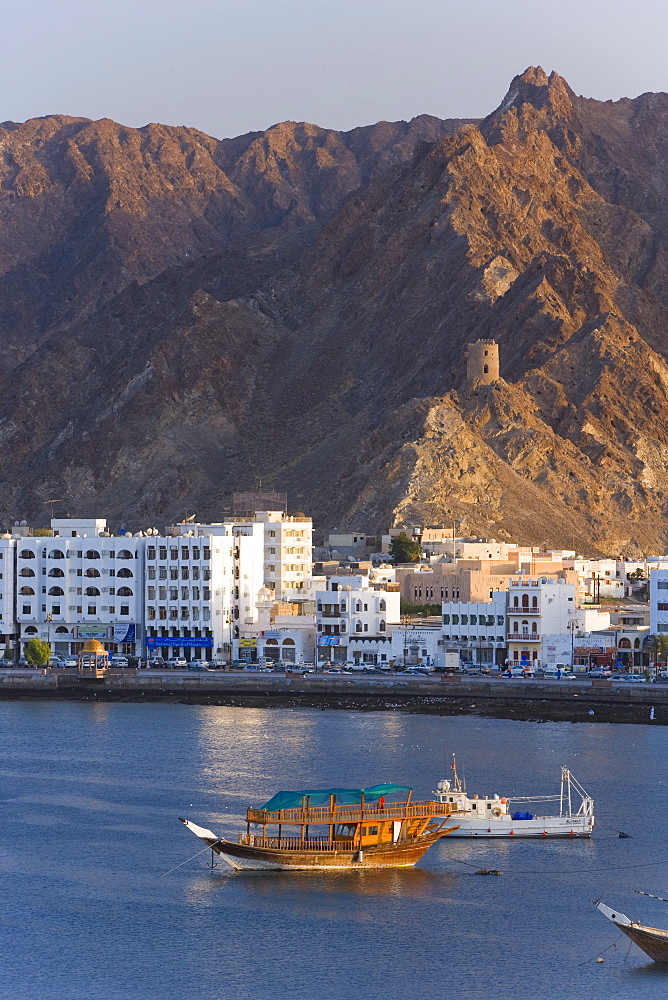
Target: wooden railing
351,813
297,843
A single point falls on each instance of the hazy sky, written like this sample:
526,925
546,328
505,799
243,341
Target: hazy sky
232,66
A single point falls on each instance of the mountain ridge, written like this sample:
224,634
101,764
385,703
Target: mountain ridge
315,337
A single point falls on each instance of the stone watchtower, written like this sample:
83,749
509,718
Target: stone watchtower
482,361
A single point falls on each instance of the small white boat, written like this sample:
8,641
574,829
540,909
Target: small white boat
497,816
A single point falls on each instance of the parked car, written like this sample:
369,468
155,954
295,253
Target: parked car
425,671
119,661
201,667
628,678
600,672
176,661
524,672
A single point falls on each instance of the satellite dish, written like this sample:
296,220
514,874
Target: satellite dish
24,524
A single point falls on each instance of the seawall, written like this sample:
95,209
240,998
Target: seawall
542,700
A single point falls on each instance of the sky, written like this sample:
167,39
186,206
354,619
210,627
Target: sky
233,66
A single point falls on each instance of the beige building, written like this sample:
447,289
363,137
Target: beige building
288,545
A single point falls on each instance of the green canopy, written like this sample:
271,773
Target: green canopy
344,796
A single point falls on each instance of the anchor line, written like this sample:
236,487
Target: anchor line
207,848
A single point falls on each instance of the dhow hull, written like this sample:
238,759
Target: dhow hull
652,940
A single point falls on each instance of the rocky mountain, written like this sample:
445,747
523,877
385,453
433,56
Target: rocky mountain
183,315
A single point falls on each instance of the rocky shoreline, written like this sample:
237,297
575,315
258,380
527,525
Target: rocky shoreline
528,701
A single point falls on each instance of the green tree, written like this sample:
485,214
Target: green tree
403,550
408,608
37,652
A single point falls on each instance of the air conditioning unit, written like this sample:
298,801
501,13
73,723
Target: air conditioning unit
71,607
72,590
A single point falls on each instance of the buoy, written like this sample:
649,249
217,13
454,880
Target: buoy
599,960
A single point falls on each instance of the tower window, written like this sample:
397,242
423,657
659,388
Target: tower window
486,368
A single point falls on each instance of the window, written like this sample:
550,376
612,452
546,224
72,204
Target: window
163,593
660,628
162,573
173,593
26,571
124,592
125,609
27,554
185,552
206,553
112,609
92,592
184,612
55,610
662,606
124,554
446,619
195,572
196,552
185,573
455,619
56,554
92,609
26,609
151,614
92,554
196,613
151,573
173,573
151,593
184,594
206,594
162,613
124,572
474,620
381,627
89,572
57,571
27,592
56,592
163,551
195,593
174,552
150,552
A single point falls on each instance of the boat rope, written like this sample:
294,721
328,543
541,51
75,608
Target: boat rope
652,896
599,953
207,848
567,871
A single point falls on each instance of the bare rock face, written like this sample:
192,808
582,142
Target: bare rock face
182,315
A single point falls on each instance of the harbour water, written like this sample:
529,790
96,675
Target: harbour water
90,795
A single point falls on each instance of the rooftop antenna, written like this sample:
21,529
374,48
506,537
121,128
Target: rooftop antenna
61,500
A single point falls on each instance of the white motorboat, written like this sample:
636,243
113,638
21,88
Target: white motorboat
508,816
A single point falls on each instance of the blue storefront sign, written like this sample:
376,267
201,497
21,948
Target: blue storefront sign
124,633
163,641
328,640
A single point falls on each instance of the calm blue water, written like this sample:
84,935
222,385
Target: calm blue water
90,798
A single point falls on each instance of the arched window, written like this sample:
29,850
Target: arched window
624,643
636,644
358,626
534,627
56,571
525,600
343,627
56,554
271,642
124,592
534,603
56,592
26,554
515,602
288,642
381,627
382,605
525,628
124,554
358,606
92,554
485,369
319,605
124,572
62,630
343,607
27,592
26,571
31,630
92,592
92,572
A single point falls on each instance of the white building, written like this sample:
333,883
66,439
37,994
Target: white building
81,584
8,625
288,547
355,618
417,646
283,632
476,628
537,607
658,601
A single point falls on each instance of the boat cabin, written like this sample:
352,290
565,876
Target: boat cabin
343,819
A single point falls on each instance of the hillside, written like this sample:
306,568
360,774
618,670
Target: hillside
181,315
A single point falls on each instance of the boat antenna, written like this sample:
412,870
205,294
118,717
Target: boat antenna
458,785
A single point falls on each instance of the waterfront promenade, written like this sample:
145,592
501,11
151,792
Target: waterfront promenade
570,700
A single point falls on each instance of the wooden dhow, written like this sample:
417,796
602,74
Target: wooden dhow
334,829
652,940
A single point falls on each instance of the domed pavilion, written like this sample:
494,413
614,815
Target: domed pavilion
93,656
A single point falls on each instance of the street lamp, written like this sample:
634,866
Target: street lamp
573,624
48,620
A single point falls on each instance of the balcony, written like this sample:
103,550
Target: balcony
329,614
523,637
522,611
